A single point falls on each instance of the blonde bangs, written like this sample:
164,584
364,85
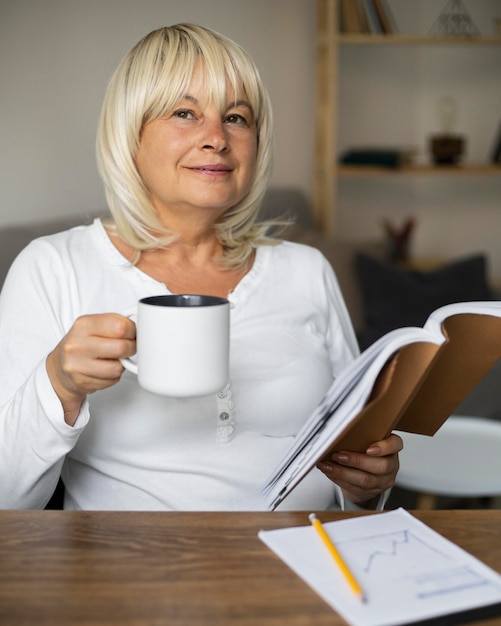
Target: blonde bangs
173,61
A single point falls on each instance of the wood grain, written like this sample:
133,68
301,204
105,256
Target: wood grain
134,568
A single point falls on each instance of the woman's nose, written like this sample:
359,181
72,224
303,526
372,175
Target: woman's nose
214,136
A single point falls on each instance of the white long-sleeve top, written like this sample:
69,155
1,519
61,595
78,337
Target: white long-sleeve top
130,449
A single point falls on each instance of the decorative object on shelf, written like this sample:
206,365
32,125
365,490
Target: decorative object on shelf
447,147
399,239
446,150
497,26
454,21
496,153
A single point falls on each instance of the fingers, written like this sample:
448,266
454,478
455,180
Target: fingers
87,358
391,445
94,345
105,325
364,477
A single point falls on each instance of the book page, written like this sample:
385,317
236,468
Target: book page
436,319
407,571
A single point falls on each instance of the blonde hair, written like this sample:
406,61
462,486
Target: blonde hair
147,84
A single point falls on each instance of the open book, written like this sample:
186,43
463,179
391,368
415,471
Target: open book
412,379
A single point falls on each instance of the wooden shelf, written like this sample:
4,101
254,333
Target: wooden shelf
332,48
419,170
356,39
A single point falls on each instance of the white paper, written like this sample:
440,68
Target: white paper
408,571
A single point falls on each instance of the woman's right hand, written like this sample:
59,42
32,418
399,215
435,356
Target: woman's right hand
87,358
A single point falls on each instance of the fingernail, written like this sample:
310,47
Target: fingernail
340,457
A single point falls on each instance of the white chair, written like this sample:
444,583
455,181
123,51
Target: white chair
462,459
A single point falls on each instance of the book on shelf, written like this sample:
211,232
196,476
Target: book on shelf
381,157
363,18
349,17
373,18
366,17
385,17
411,379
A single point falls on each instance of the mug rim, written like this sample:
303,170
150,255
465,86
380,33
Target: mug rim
184,300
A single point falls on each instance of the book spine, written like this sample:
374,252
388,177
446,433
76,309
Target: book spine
363,19
382,158
383,16
374,23
349,17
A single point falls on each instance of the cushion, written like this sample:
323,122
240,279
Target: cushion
394,297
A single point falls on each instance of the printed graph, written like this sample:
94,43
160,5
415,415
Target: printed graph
409,572
406,558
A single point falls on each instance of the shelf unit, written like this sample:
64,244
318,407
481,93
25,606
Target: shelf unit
327,169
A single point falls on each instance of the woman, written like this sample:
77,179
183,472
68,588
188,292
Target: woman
184,149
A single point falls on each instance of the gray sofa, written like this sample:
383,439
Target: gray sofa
484,401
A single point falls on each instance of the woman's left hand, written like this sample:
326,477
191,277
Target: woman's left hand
364,476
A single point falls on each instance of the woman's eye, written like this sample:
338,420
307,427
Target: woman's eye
235,118
184,114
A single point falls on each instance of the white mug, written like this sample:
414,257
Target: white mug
182,344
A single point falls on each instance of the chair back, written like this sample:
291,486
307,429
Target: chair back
462,459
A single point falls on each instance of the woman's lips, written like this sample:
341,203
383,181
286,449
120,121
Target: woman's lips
212,168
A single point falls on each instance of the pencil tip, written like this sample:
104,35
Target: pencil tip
312,517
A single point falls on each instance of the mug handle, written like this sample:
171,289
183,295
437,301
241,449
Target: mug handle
128,363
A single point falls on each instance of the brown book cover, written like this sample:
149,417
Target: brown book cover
412,380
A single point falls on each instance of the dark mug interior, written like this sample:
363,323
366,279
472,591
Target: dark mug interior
184,300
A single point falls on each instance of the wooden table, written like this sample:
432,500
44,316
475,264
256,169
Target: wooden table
150,569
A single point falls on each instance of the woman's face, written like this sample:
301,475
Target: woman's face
198,158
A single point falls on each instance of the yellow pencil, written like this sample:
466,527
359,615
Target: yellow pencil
345,570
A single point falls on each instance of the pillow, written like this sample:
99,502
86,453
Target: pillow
394,297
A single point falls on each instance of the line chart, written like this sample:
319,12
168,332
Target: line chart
404,557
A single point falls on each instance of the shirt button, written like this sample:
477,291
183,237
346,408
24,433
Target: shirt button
224,416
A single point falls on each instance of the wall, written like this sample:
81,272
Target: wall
389,97
56,57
